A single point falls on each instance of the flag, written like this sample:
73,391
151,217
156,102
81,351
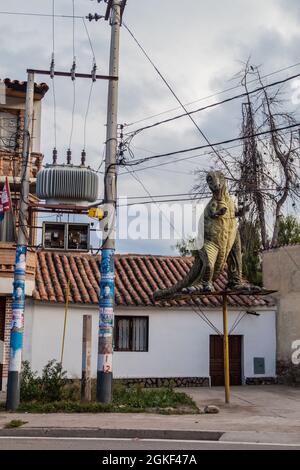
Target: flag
5,204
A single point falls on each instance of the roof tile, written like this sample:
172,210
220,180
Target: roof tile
137,278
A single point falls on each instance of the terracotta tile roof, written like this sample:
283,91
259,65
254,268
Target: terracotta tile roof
17,85
137,278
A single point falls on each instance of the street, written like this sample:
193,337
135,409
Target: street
65,443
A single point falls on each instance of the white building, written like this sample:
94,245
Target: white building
176,340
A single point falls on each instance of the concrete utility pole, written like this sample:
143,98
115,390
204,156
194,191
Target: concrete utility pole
86,377
18,306
107,283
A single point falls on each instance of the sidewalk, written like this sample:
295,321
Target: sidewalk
255,414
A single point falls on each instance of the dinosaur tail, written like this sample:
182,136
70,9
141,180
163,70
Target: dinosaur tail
191,277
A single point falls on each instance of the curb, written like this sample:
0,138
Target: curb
113,433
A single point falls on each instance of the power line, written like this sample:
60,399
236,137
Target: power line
161,195
152,199
192,195
94,68
185,159
73,70
195,198
223,142
213,105
89,39
213,95
23,13
86,114
177,98
52,66
170,162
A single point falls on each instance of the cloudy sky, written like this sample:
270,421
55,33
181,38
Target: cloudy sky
198,46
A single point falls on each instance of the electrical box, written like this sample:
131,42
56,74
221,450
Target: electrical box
54,236
66,236
96,213
78,237
259,365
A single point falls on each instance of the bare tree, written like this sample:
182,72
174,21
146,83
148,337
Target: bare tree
264,175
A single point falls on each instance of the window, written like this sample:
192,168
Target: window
131,333
8,131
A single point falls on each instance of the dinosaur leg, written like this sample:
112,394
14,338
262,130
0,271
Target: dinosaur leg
209,254
234,262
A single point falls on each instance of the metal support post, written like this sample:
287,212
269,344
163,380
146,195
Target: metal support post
226,350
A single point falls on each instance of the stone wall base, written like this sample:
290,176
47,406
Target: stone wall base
261,380
288,373
156,382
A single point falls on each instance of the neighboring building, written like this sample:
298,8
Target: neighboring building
281,271
152,341
12,107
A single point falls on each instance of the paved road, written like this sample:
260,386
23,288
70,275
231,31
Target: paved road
41,443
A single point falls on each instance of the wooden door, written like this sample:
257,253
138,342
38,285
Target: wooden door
216,362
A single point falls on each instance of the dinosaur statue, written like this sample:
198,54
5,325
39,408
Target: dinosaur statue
221,245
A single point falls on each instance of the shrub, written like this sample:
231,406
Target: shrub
53,381
30,386
48,388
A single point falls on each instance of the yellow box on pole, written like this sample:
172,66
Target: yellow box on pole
96,213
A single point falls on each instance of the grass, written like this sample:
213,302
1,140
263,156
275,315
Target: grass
15,423
125,400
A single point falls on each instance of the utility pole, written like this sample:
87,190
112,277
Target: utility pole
18,306
86,378
107,283
226,350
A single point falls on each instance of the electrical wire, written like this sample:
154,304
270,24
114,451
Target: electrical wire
194,198
52,75
89,39
73,114
94,67
194,195
73,78
178,100
151,198
86,114
213,95
23,13
223,142
213,105
187,159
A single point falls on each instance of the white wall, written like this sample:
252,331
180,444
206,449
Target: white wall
178,341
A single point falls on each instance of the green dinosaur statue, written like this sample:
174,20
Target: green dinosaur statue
221,245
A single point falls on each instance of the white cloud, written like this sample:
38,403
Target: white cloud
197,45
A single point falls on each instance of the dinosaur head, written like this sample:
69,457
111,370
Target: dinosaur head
217,183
